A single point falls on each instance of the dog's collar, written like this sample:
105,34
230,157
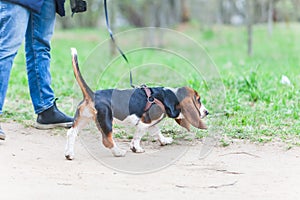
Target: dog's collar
151,100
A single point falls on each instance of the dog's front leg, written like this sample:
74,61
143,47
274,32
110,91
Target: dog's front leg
162,139
135,144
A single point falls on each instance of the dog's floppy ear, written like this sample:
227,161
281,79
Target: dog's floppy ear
191,113
171,103
184,123
187,105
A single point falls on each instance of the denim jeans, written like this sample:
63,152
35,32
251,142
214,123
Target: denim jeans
17,23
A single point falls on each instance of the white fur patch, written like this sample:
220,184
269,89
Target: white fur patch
87,112
174,90
133,120
71,136
180,116
135,146
135,142
118,152
164,140
73,51
203,111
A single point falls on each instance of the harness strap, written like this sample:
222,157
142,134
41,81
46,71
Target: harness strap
152,100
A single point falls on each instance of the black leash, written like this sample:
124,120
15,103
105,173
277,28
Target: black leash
114,41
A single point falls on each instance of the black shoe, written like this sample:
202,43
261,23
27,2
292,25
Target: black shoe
52,118
2,134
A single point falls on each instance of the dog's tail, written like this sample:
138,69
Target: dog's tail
86,90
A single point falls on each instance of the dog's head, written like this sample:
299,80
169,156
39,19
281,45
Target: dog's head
188,110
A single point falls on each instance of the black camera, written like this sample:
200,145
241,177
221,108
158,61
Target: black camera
77,6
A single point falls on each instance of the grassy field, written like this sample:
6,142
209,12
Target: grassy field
257,106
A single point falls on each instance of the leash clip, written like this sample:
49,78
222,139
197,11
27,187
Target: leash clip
151,99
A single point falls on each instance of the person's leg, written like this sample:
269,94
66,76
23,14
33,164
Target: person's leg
37,47
13,24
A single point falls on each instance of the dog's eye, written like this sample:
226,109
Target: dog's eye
198,99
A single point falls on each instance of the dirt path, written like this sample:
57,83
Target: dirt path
33,167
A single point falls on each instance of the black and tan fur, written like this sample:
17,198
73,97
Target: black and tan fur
105,106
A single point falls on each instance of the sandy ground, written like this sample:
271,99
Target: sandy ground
33,167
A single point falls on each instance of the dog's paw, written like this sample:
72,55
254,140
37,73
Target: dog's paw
69,152
135,147
69,155
165,140
117,152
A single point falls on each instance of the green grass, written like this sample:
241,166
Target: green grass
257,106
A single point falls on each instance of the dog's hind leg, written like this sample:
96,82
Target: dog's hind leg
71,136
104,125
108,142
85,113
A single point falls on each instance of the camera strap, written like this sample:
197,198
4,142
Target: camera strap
114,42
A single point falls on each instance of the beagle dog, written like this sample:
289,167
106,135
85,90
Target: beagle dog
142,107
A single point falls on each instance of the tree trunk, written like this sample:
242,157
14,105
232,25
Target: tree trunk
149,10
220,12
185,13
249,7
270,17
129,10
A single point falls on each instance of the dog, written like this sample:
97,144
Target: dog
142,107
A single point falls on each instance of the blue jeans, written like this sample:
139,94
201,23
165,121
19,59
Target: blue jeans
17,22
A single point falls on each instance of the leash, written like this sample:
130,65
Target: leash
150,99
114,42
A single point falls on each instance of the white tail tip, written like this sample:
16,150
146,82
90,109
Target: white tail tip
73,51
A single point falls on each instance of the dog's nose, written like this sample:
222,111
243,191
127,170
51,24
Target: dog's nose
206,112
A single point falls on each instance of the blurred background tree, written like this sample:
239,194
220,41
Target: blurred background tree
171,13
167,13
